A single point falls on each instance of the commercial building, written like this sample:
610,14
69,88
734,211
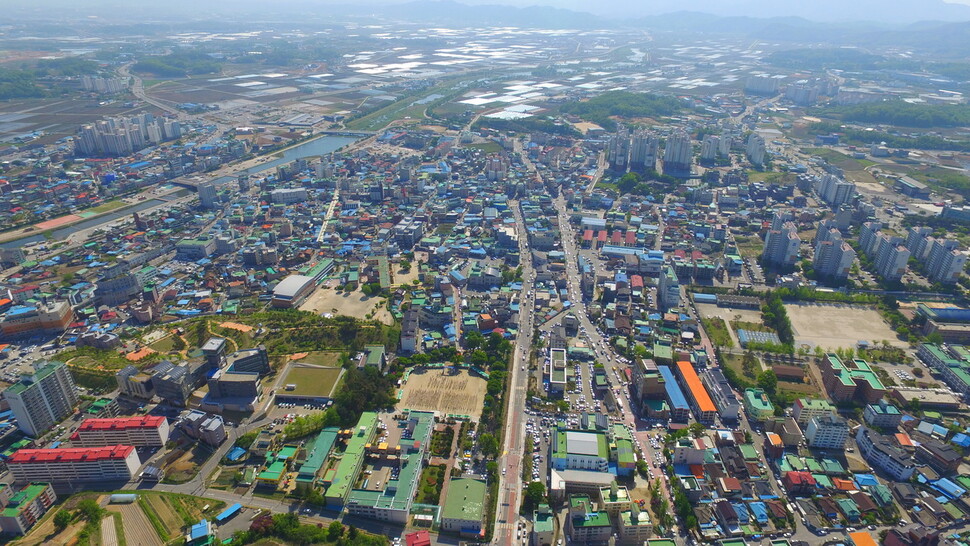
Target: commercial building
543,526
84,464
634,526
757,405
148,430
207,195
679,409
668,291
464,507
558,373
722,393
292,290
805,408
26,320
827,432
579,450
43,398
697,397
26,507
882,453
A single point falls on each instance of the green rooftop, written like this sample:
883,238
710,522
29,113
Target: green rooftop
543,520
353,456
319,451
39,374
592,519
273,472
466,500
22,499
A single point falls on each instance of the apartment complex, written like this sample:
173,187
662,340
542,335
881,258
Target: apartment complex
85,464
149,431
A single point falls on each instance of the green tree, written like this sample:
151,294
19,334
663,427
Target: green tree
488,445
335,531
90,510
62,519
535,494
768,381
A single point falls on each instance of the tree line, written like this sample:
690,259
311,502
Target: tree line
624,104
904,114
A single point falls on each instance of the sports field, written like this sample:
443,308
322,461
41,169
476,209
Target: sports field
831,326
439,389
311,380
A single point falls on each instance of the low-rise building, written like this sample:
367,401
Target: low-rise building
827,432
805,408
634,526
883,454
757,404
579,450
882,414
586,525
464,509
543,526
944,458
26,507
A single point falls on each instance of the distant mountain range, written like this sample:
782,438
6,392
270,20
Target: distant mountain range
895,12
942,28
882,11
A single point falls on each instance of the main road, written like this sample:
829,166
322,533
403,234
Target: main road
510,460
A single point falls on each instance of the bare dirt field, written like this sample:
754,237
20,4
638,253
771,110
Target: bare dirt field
355,304
138,530
437,389
838,325
728,314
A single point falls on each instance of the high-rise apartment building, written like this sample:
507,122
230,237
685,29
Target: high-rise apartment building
677,154
781,245
208,195
43,398
756,149
643,151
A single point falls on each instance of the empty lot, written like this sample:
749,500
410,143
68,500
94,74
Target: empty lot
838,325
